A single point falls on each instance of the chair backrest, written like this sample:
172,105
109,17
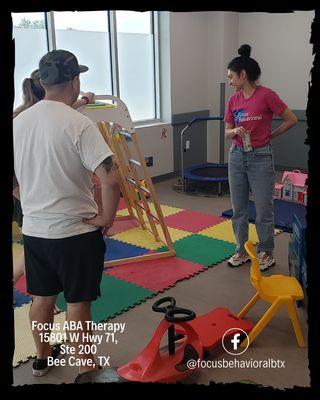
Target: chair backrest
255,274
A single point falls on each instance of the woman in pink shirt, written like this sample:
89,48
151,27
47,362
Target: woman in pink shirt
248,120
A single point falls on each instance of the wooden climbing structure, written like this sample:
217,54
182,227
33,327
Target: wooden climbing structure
116,126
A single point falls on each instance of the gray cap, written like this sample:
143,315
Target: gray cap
59,66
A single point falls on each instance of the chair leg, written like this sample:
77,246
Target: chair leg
262,323
248,306
292,311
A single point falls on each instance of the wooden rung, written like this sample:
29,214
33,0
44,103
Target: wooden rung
147,211
139,186
133,161
126,134
123,217
144,257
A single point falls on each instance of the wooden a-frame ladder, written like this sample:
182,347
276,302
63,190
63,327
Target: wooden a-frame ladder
115,125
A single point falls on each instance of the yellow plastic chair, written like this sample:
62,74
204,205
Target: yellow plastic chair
275,289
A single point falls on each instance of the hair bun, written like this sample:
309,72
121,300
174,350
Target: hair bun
245,50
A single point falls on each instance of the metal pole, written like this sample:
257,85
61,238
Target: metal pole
171,340
222,109
181,154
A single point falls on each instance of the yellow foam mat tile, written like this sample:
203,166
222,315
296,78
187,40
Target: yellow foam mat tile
16,232
224,231
144,238
17,251
123,212
166,210
24,343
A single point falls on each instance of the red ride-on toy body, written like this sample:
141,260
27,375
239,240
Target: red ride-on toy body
188,338
154,364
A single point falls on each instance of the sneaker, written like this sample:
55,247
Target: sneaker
40,367
238,259
265,260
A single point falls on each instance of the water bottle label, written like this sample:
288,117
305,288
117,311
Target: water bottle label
247,142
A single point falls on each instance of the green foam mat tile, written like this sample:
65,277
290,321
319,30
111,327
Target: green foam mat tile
117,296
202,249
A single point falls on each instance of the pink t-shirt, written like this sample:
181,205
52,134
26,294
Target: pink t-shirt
254,114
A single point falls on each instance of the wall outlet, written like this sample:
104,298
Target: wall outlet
187,144
149,161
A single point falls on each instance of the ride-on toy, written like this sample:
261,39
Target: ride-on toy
188,338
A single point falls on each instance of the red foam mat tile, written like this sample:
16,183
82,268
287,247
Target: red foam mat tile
21,285
192,221
157,275
122,204
123,225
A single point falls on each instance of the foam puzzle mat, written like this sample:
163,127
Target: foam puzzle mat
201,241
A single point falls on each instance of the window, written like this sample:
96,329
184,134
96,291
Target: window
86,34
29,32
119,47
136,62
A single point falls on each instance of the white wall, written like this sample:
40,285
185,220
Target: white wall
280,43
189,65
161,149
222,46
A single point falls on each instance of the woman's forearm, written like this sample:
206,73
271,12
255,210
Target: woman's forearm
282,128
230,133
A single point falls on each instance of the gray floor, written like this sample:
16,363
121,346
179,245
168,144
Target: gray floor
220,286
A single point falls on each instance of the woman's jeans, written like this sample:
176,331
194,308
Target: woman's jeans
254,170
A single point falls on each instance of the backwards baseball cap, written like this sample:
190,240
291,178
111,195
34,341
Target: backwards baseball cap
59,66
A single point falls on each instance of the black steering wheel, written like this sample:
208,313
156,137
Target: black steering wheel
170,310
170,300
186,315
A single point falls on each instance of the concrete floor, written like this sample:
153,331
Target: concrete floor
220,286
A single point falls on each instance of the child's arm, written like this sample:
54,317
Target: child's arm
82,102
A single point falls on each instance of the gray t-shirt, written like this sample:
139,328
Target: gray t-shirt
56,150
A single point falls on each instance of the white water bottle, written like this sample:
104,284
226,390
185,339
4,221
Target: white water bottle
247,141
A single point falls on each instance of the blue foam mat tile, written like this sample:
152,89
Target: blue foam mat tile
20,298
283,213
116,250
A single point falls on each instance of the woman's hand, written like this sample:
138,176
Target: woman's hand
240,131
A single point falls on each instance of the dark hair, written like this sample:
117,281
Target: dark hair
244,61
32,91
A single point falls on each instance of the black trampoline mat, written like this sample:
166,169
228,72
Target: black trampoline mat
211,172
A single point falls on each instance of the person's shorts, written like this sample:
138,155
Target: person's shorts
71,265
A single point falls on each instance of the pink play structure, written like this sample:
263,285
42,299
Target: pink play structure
292,187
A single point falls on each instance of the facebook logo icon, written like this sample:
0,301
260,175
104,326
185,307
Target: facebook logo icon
235,341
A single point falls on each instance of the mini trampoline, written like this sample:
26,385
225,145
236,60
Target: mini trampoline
208,172
209,178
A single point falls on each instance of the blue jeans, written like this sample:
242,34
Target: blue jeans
252,170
